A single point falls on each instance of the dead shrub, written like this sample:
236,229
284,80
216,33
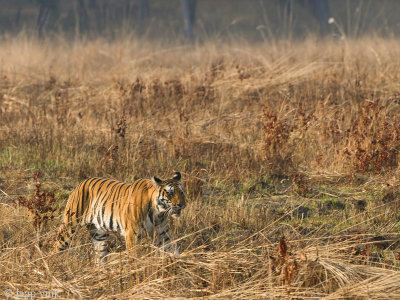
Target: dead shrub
373,140
40,204
277,143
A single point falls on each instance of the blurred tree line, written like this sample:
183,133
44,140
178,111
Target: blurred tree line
254,19
84,17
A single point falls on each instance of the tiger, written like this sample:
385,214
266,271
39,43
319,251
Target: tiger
130,210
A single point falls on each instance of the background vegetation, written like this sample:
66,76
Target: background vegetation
286,139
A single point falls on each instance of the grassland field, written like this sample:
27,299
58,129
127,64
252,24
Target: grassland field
289,154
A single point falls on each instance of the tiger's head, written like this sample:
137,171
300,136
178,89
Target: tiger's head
170,197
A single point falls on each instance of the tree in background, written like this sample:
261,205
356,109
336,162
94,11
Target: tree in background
47,9
320,9
189,15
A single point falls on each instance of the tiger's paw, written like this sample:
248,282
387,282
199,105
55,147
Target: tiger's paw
176,253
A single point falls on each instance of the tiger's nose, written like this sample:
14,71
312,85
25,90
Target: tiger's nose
177,209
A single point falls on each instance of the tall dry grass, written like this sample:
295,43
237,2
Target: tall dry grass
260,132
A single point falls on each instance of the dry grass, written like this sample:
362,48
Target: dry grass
284,139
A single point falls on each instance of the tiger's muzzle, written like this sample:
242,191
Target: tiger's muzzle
176,211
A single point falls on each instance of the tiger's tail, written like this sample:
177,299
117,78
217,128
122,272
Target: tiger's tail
64,238
68,228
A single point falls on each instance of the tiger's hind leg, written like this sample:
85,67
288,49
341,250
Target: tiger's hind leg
100,239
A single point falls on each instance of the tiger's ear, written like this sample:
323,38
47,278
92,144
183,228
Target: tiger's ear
156,182
177,176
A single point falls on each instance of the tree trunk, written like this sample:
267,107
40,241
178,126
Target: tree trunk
42,18
189,15
82,17
143,13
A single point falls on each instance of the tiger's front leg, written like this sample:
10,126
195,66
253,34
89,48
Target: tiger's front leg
130,237
100,239
163,240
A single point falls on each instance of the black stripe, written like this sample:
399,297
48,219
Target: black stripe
100,197
164,232
136,183
106,200
120,203
137,187
115,198
98,188
164,242
91,184
99,220
151,215
100,236
82,197
96,184
99,184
